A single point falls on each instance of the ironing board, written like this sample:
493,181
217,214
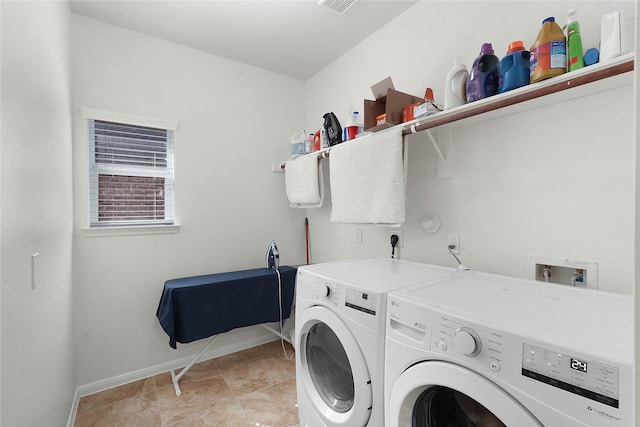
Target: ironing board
198,307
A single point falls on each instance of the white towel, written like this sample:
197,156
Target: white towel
303,181
368,180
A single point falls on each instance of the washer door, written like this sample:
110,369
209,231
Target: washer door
441,394
333,371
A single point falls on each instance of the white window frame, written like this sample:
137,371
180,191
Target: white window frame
95,169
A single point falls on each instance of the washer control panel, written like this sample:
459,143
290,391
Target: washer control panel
588,378
479,346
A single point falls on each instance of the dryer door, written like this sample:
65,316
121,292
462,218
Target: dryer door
332,369
437,394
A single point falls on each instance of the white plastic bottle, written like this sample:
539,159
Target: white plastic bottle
324,139
297,144
308,144
455,86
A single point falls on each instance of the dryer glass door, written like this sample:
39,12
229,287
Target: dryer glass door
331,369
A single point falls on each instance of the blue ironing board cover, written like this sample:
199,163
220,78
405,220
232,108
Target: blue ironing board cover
193,308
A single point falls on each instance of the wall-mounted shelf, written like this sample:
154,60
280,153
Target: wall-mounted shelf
609,75
613,73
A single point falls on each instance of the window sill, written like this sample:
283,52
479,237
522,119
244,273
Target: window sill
134,230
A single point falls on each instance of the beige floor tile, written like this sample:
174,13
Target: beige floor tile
225,362
287,361
276,347
96,400
253,375
252,388
202,370
272,406
225,412
198,396
139,411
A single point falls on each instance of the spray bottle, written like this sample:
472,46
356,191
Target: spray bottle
575,59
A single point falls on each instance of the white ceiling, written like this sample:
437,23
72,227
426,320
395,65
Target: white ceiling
296,38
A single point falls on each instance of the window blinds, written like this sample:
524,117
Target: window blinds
131,174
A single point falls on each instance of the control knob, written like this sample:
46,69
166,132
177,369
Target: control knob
325,290
467,341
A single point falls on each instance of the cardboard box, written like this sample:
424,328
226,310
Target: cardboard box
389,102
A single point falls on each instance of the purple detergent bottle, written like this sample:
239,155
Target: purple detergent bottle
483,80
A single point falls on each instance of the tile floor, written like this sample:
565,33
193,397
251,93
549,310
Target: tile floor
254,387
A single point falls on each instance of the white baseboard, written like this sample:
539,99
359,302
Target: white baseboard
216,351
74,410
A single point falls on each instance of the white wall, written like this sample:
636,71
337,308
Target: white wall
38,379
234,120
556,181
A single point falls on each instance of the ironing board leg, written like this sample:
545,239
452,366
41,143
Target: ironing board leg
176,377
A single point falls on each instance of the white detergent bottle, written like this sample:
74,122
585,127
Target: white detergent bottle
456,85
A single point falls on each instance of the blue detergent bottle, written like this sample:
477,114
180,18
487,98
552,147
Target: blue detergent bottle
483,80
514,67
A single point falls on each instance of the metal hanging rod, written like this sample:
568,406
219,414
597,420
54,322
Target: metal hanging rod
321,155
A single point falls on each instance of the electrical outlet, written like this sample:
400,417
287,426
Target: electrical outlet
399,234
453,240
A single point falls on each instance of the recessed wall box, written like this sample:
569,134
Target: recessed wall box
572,272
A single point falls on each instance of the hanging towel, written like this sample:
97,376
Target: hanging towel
367,180
303,181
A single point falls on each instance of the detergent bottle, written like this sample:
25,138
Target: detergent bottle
297,144
549,52
455,90
514,67
484,77
354,127
575,59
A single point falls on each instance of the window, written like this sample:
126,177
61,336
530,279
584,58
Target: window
130,174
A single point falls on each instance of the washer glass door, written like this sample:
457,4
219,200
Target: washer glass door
332,369
442,394
439,406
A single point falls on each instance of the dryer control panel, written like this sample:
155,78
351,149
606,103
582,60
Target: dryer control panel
362,301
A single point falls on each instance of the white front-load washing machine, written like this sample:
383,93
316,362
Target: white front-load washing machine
339,337
485,350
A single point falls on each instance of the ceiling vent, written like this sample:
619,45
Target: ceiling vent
337,6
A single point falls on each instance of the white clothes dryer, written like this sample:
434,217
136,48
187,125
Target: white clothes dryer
487,350
339,337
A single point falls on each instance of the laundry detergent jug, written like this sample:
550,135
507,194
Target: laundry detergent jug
549,52
484,78
455,88
514,67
